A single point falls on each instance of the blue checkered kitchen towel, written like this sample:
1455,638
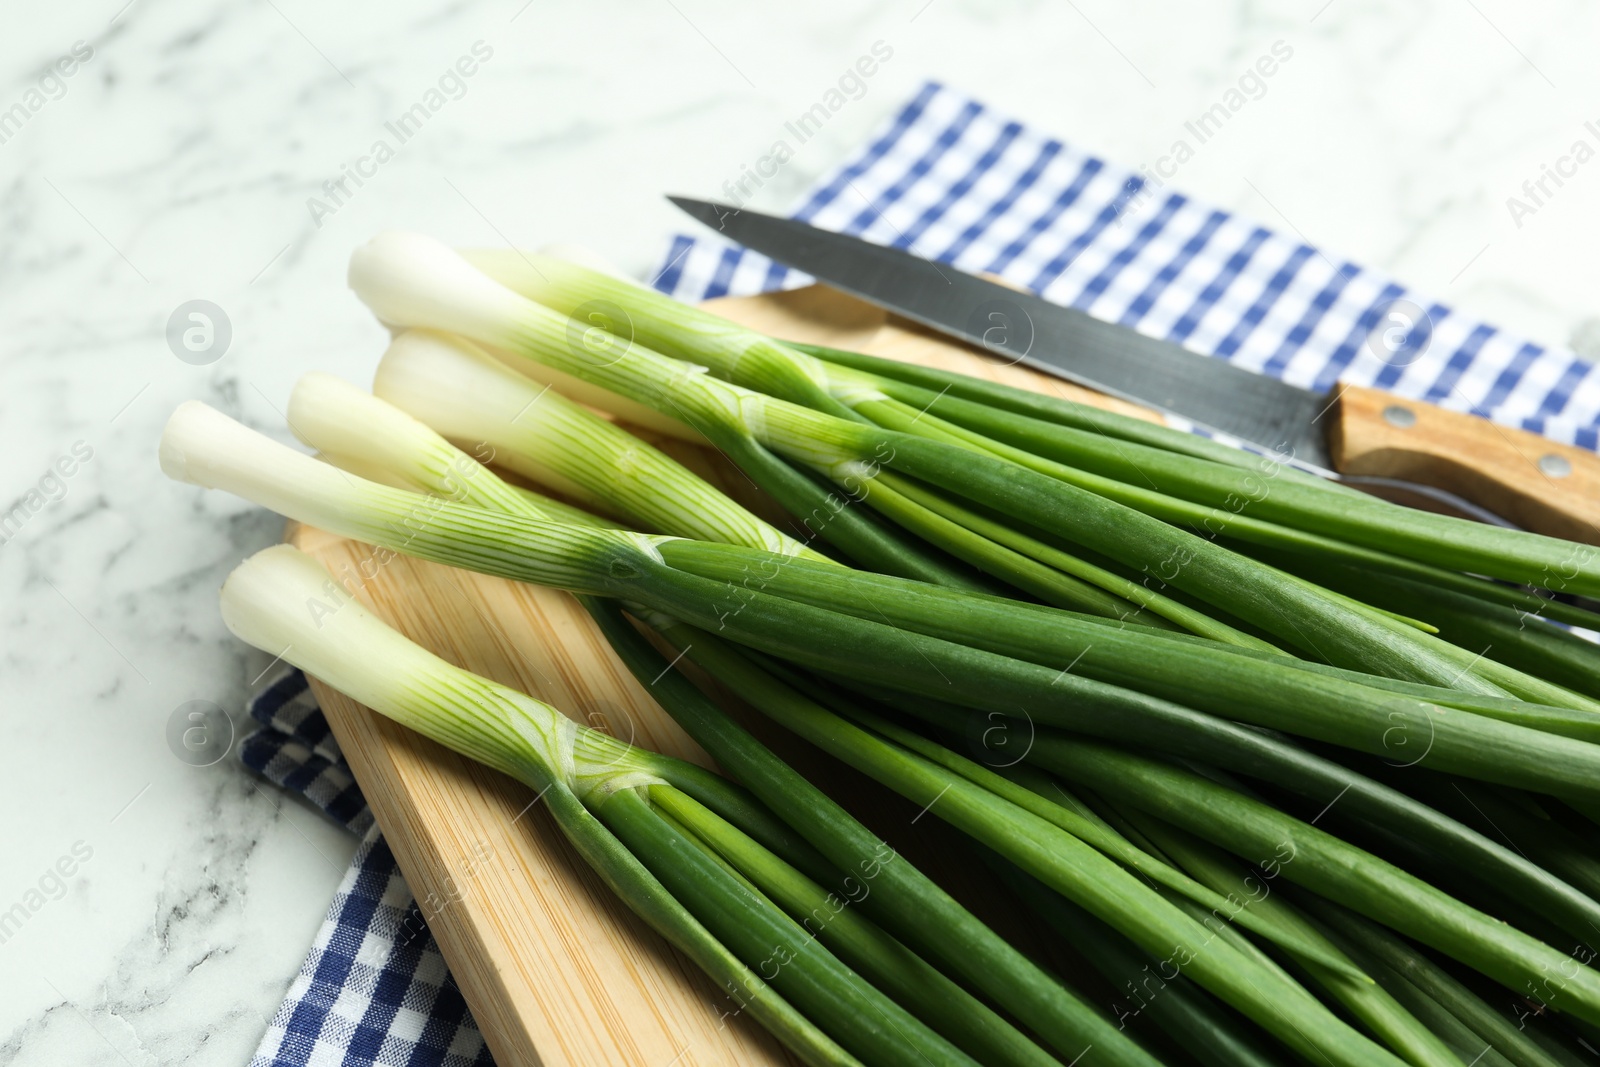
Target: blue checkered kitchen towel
951,180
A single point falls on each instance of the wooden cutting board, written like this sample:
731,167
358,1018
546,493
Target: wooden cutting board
555,969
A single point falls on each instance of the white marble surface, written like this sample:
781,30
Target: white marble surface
178,163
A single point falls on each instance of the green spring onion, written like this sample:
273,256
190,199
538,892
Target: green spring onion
1160,623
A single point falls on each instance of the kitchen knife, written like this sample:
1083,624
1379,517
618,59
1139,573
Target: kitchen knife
1365,435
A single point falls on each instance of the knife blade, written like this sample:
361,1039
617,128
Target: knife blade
1019,327
1395,447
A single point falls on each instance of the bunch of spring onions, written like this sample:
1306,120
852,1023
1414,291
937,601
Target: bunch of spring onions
1297,774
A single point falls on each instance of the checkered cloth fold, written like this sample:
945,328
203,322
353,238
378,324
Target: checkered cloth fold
951,180
374,988
295,749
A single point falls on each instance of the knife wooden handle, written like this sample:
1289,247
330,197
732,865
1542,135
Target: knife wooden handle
1534,482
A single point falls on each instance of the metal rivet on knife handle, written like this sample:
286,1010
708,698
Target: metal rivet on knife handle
1554,466
1398,415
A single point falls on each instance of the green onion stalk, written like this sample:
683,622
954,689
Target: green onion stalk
1321,862
409,280
1519,817
356,432
1040,569
1119,447
1198,1024
1520,638
1529,650
1147,463
1318,507
1369,1002
1495,671
826,379
620,807
879,629
341,420
1559,892
1131,461
598,335
658,322
456,389
460,392
915,384
676,328
1070,672
907,761
1411,972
